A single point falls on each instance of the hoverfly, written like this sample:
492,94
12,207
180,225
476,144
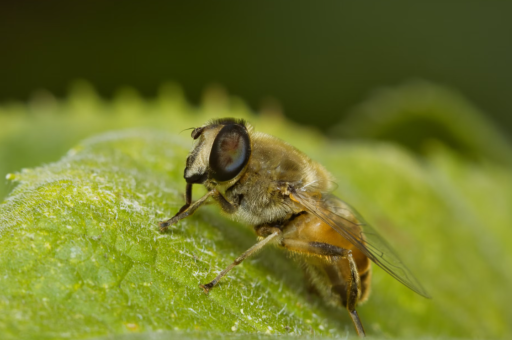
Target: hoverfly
264,182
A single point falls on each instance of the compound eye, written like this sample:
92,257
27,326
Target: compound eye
230,152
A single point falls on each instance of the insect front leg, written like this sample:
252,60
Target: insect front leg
246,254
188,198
332,254
188,209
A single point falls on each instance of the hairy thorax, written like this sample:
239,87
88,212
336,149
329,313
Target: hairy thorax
262,193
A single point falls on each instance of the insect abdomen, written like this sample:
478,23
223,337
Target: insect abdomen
329,274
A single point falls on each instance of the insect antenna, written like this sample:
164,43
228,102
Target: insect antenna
192,128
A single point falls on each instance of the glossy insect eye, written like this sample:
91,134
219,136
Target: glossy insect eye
230,152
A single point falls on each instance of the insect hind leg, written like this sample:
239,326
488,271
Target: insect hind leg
332,254
353,294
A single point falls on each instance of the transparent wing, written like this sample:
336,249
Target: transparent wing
346,221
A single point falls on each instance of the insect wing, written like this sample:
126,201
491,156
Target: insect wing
346,221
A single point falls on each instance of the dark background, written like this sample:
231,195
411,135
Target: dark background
318,59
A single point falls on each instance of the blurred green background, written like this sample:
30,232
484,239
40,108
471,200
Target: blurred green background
317,59
407,103
314,63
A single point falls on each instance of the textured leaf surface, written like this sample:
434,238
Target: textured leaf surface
81,256
81,248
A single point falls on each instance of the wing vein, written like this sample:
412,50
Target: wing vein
347,222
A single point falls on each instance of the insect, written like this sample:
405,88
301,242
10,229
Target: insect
264,182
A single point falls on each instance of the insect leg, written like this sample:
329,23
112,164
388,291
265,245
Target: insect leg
315,248
246,254
224,203
352,296
188,198
332,253
185,211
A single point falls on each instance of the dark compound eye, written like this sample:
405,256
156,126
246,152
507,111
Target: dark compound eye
230,152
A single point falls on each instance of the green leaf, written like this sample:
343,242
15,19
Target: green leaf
81,255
